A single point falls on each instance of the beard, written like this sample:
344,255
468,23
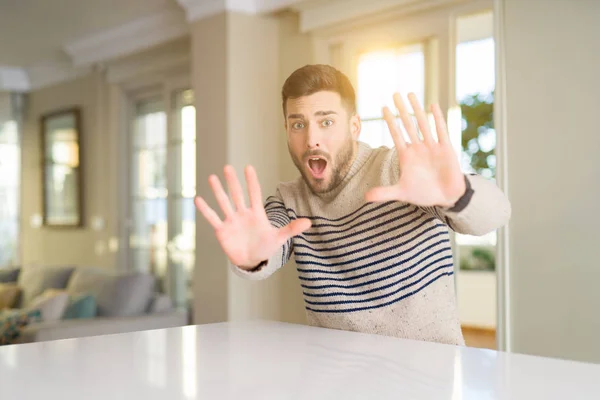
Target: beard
339,167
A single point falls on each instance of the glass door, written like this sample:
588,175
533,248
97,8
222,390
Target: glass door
148,203
162,190
182,190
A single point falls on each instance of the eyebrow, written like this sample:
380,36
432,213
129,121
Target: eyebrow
318,113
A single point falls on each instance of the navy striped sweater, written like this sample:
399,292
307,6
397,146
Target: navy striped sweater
384,268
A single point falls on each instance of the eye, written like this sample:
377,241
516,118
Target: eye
298,125
327,122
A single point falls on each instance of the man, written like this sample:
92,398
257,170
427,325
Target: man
369,228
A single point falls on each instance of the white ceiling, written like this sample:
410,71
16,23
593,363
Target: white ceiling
35,31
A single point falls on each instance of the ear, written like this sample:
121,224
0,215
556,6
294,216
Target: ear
355,126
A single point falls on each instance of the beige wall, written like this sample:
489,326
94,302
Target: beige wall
552,64
254,135
74,246
209,81
295,50
239,123
476,296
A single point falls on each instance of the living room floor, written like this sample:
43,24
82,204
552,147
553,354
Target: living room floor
480,338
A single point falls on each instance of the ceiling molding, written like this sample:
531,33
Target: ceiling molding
269,6
14,79
198,9
139,34
325,14
48,74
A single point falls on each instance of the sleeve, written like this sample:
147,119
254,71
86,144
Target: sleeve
482,209
278,217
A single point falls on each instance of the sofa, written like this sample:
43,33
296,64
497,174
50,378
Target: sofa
60,302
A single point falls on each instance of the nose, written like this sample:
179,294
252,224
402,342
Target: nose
313,137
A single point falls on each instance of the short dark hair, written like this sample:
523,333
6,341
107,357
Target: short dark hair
316,78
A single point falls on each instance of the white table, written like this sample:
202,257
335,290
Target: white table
268,360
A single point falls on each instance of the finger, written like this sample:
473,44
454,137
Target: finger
254,192
397,137
294,228
406,119
422,119
440,124
384,193
237,195
221,196
208,213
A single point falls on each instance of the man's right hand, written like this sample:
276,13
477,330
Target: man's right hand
245,234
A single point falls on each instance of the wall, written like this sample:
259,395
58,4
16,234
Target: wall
209,76
477,298
74,246
238,125
295,50
254,135
552,63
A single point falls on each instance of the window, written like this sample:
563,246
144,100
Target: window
163,186
380,74
475,83
403,69
148,241
182,190
10,163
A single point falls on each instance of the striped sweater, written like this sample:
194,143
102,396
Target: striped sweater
384,268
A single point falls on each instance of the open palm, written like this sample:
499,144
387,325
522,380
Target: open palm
246,235
430,173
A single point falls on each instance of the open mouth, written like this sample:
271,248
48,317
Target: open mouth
317,166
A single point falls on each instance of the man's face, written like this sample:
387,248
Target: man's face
321,138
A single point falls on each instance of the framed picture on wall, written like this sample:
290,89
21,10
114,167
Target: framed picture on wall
61,177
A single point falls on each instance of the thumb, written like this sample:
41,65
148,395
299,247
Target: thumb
294,228
384,193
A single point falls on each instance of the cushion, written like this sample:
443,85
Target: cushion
36,280
51,304
117,294
81,306
9,275
160,303
13,323
9,294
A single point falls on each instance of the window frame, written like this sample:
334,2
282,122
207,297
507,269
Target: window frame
129,94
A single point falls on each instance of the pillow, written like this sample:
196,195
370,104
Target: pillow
81,306
9,294
52,305
13,323
160,303
117,294
35,280
9,275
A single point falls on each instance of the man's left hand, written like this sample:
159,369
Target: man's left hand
430,173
